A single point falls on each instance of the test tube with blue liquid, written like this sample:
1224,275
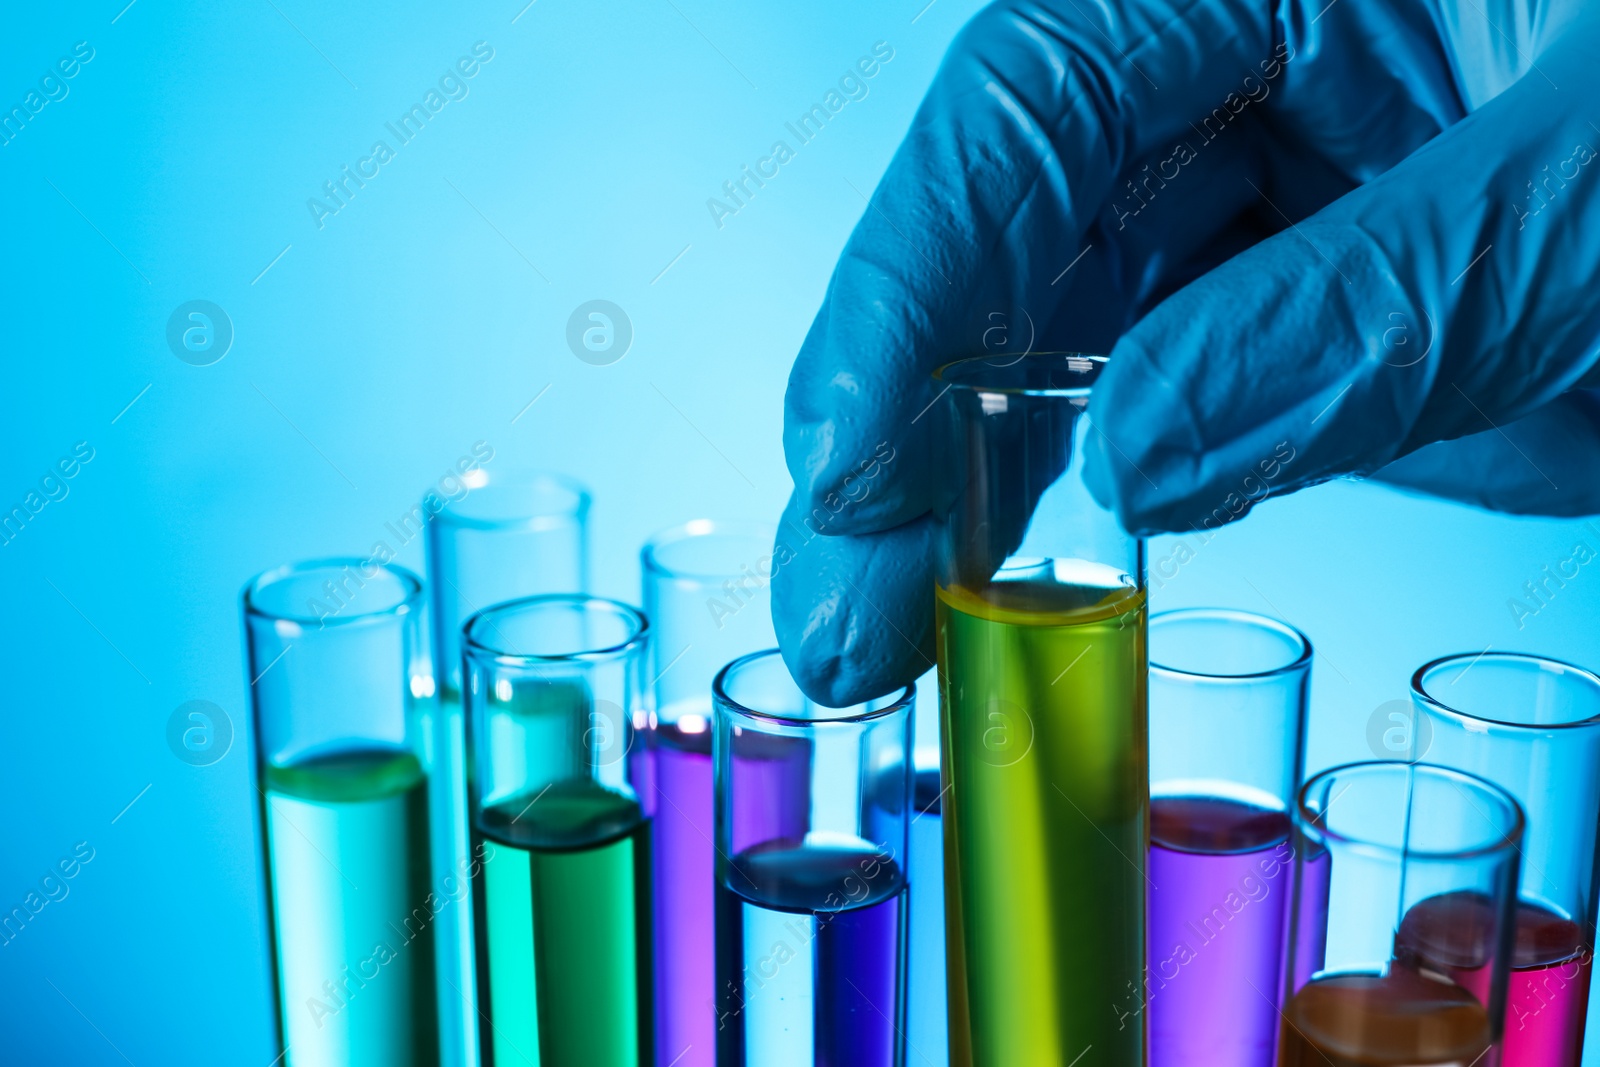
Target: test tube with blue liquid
812,808
561,840
342,764
706,593
504,534
1228,696
927,1008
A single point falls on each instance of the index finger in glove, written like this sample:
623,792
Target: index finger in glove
1034,114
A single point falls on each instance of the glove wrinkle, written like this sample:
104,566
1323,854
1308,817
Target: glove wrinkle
1335,237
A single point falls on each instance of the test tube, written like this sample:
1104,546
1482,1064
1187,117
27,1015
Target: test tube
1227,740
335,658
1400,926
812,810
510,534
561,902
1531,725
1041,656
927,1028
706,594
505,534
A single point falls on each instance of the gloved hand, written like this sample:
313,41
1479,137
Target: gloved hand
1367,228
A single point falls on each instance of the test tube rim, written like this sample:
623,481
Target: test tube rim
1305,820
574,516
943,374
639,633
721,701
1420,693
1300,662
650,550
409,581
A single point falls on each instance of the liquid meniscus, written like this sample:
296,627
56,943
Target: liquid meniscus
810,957
1400,1019
1548,986
1044,718
353,921
1220,872
562,920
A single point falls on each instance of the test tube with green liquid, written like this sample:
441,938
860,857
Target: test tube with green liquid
560,837
342,758
1041,625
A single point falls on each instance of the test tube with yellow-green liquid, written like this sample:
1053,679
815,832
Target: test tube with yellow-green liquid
1041,648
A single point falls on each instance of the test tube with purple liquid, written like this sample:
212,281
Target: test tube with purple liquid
706,594
1227,724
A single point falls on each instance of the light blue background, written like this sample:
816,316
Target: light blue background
424,317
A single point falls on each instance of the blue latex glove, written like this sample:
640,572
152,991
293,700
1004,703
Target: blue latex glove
1367,228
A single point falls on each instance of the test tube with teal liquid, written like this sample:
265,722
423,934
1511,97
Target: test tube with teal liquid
560,839
501,535
1040,629
336,662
